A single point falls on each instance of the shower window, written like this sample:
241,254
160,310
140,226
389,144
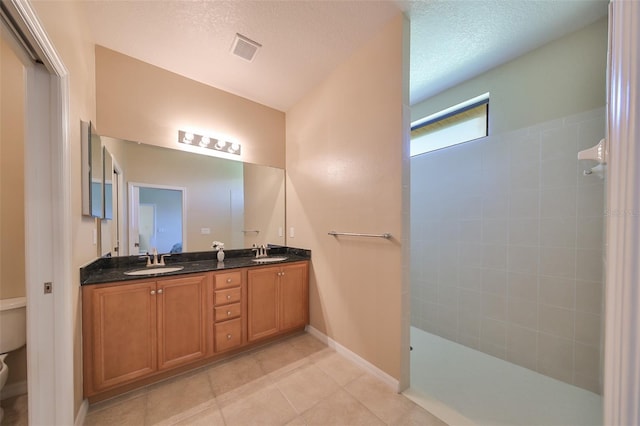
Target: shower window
458,124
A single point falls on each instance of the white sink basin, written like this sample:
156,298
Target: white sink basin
154,271
269,259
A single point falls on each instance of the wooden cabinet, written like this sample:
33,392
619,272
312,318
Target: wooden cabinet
277,299
228,308
120,334
136,332
181,308
131,330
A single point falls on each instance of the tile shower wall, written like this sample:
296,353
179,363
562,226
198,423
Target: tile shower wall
507,247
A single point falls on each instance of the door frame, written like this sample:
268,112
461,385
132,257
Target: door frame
134,201
48,216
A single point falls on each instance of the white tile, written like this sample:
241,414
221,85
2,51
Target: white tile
523,313
558,232
559,143
494,281
558,202
494,256
589,264
589,296
555,357
590,232
588,328
558,172
524,232
556,321
494,306
493,332
495,206
591,200
523,259
522,346
524,204
470,231
557,291
558,262
523,286
494,231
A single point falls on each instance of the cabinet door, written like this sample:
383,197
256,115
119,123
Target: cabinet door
123,333
181,320
262,301
294,305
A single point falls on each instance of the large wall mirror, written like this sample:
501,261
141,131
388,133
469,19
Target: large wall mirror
178,201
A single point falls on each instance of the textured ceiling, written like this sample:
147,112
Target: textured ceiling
304,40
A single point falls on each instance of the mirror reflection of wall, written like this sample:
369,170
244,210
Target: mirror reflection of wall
223,198
96,177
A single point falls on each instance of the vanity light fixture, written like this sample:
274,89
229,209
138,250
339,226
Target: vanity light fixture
188,138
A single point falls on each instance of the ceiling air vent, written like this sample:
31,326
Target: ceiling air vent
245,47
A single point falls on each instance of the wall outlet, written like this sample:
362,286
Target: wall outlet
292,232
280,232
95,237
205,231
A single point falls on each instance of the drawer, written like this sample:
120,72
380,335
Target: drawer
228,334
230,279
226,312
223,297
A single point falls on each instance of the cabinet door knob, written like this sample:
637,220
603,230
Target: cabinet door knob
229,336
159,291
153,292
228,280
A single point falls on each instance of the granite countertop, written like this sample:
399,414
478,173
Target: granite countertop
112,269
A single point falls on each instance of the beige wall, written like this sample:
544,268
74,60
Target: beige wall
64,24
533,88
344,168
12,264
143,103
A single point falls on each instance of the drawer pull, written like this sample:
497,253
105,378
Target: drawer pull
228,297
229,280
229,336
228,313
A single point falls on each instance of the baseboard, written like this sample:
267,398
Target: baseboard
14,389
391,381
82,413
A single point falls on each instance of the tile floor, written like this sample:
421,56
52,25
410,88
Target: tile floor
297,381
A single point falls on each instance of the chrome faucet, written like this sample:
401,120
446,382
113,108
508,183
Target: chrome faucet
153,261
261,251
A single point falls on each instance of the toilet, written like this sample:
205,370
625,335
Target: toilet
13,332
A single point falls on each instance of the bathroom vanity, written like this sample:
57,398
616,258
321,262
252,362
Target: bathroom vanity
141,329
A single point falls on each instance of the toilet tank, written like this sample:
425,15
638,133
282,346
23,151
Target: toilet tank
13,323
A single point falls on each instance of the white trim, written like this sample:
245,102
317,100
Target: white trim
82,413
134,202
390,381
58,312
14,389
622,290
